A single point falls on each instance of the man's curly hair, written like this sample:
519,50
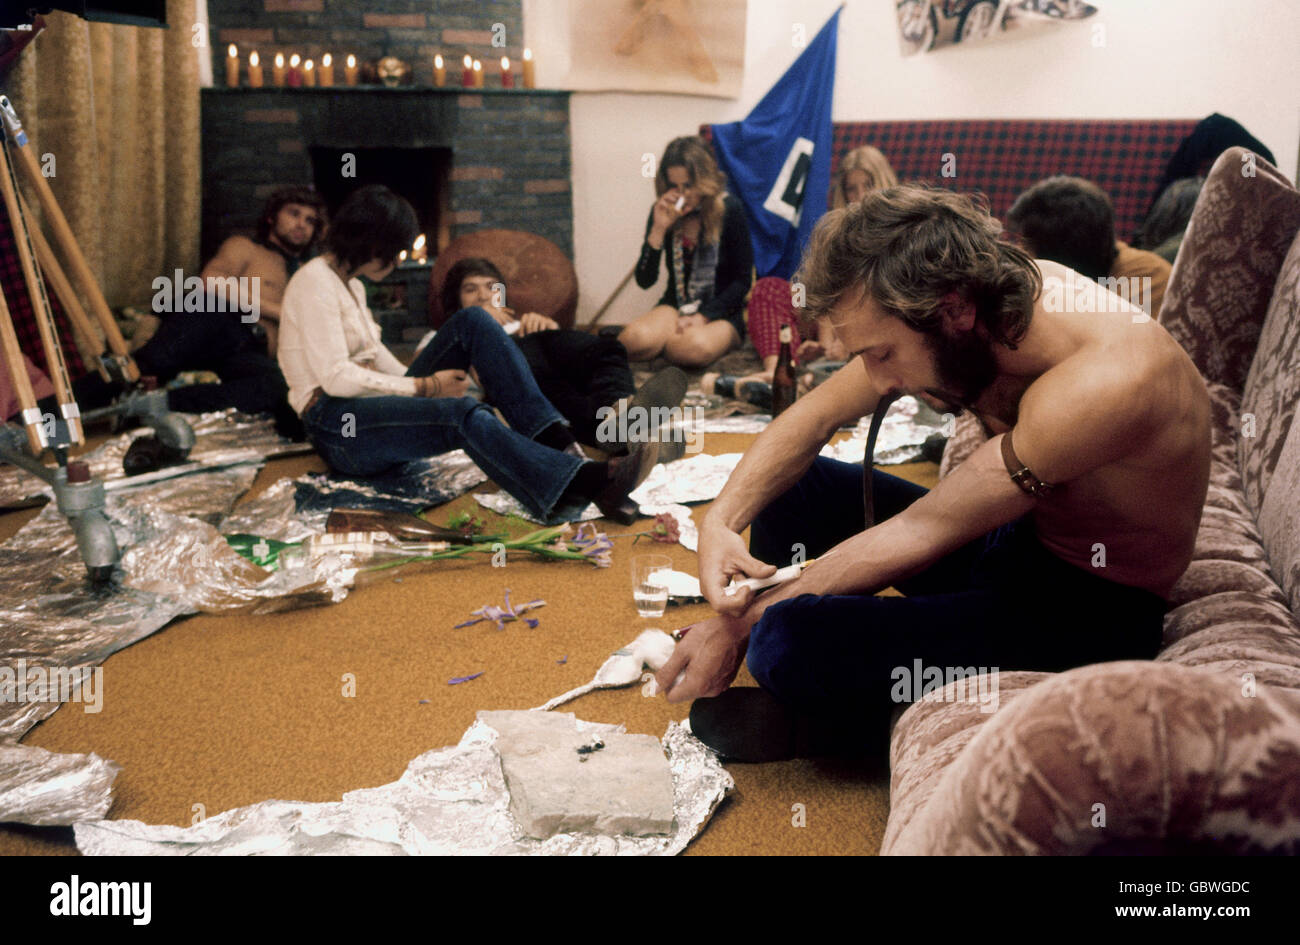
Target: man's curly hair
907,247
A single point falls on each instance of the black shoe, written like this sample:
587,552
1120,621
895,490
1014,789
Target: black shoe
746,724
665,390
148,454
625,474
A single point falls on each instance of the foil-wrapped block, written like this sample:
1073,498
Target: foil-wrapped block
562,780
449,801
46,789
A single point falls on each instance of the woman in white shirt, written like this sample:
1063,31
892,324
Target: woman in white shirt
366,413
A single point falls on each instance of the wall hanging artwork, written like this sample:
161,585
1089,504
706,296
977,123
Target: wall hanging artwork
688,47
925,25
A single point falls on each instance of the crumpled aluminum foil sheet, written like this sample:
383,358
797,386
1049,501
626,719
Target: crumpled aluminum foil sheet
222,438
192,563
46,789
51,615
503,503
903,432
697,478
451,801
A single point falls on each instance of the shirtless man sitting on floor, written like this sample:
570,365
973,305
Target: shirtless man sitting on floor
217,338
1053,546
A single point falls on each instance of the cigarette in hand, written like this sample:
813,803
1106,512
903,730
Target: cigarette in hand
681,202
757,584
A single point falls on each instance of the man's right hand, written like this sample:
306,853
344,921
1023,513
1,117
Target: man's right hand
665,215
723,555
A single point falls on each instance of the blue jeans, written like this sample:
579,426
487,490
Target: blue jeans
1002,601
366,436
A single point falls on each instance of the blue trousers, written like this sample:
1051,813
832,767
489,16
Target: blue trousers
365,436
1001,602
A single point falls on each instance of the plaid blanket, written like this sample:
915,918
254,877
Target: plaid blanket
1002,157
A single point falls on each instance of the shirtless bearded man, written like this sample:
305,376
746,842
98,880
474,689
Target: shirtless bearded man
1053,546
219,339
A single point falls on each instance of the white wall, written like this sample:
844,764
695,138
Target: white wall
1161,59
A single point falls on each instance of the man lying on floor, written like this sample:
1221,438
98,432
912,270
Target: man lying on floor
1055,545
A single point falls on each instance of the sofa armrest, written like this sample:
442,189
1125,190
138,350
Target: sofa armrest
1122,757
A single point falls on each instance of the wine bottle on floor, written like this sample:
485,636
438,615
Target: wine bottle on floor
783,389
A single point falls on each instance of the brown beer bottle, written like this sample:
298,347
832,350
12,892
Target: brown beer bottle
783,391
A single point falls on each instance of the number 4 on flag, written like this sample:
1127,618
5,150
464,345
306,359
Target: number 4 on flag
786,197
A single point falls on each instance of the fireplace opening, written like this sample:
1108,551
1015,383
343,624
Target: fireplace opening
420,175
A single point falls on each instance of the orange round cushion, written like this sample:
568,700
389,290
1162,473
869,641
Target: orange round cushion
539,277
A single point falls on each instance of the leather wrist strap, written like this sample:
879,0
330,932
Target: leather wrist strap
868,464
1020,473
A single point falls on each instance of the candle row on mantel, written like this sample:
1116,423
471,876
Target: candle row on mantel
305,74
297,73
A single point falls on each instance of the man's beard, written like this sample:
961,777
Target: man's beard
965,366
290,244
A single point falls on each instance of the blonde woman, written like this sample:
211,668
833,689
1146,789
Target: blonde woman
700,232
862,171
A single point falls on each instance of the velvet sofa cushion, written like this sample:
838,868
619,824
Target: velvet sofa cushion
1268,401
1114,758
1222,283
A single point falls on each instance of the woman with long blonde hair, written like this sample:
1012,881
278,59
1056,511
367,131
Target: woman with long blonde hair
700,231
863,170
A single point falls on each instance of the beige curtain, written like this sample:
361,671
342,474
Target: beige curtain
118,109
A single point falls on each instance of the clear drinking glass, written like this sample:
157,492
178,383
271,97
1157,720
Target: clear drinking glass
650,584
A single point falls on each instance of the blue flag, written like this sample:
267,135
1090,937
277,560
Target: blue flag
778,160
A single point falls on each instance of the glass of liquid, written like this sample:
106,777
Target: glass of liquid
650,584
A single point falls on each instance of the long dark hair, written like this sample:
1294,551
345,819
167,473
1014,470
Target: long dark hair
458,273
281,198
373,223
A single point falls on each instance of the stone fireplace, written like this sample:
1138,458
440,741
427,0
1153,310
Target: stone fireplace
466,159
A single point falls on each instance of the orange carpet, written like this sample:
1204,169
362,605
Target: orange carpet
219,712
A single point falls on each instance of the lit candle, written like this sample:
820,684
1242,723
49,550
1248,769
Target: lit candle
309,74
232,67
507,77
295,74
418,251
254,70
530,78
350,70
478,74
467,77
439,71
326,69
277,71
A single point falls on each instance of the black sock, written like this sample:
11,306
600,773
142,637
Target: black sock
589,481
557,436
